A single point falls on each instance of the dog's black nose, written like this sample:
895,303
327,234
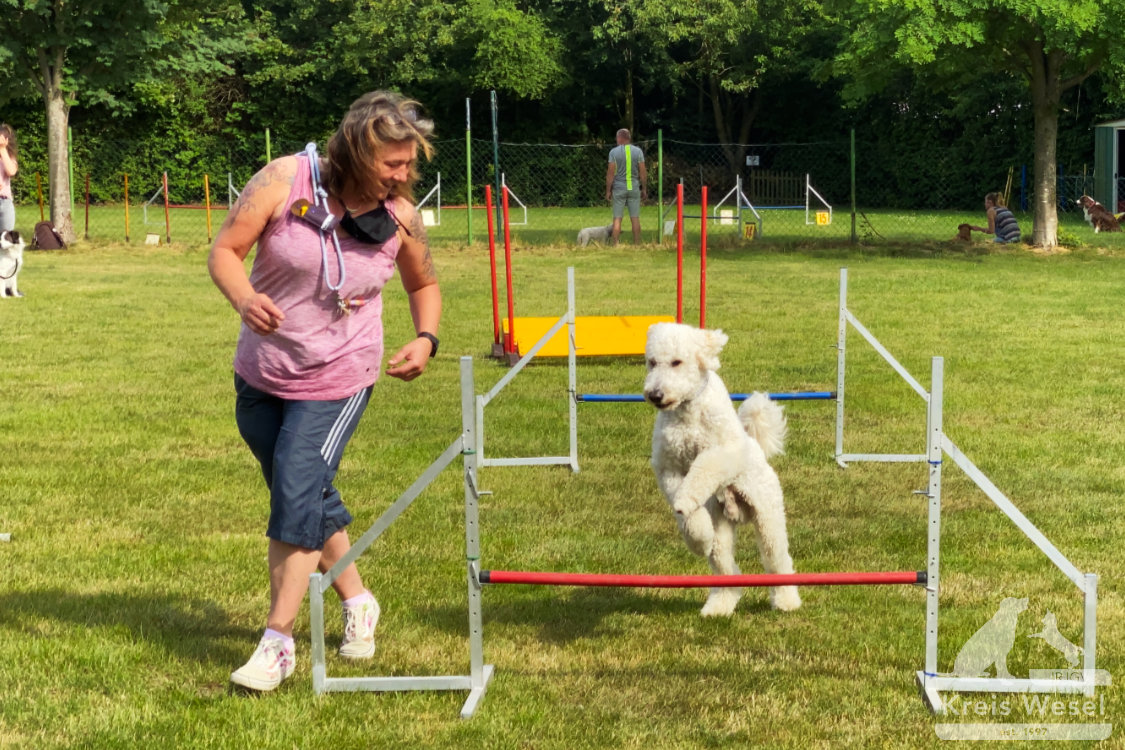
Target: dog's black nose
656,397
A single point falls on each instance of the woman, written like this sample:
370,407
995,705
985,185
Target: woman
311,342
1001,222
8,169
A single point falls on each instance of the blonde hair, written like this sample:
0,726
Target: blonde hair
374,120
995,198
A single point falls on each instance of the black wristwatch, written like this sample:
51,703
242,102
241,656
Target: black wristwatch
433,342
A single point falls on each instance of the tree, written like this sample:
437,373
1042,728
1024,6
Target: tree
1052,45
88,51
316,56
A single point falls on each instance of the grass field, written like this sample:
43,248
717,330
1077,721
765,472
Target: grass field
559,226
135,581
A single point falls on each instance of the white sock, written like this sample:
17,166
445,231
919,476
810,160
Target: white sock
366,596
286,639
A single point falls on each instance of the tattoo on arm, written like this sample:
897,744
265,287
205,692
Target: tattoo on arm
271,173
418,230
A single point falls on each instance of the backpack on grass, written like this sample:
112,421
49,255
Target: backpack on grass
46,238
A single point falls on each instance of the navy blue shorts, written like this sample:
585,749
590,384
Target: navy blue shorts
299,445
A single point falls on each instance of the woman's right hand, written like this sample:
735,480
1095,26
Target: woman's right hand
260,314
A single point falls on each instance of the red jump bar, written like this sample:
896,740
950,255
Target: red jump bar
687,582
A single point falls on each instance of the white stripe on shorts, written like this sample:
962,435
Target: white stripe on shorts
332,442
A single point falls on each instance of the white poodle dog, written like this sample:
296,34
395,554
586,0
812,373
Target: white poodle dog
711,462
594,234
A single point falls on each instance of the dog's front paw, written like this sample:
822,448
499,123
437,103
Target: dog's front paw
785,598
721,603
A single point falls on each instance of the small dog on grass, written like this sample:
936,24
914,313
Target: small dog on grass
594,234
711,462
11,261
1098,215
964,233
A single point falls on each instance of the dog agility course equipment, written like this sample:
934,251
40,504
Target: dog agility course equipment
817,212
593,336
476,682
480,674
939,445
427,214
637,398
553,332
757,580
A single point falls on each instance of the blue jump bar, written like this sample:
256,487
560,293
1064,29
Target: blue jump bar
604,398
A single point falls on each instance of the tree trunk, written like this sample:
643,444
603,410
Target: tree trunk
1045,104
58,172
58,163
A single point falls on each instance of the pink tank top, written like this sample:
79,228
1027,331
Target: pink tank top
317,354
5,183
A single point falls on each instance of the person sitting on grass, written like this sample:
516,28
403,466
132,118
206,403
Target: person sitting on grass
1001,221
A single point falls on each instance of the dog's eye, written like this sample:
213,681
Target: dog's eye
651,363
676,363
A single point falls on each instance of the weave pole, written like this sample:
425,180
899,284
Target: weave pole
510,339
910,577
703,261
497,343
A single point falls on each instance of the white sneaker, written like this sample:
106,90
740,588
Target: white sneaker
271,663
359,630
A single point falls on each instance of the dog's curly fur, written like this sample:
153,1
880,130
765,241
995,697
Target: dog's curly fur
711,462
594,234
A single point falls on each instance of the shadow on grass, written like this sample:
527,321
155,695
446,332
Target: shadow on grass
191,628
567,614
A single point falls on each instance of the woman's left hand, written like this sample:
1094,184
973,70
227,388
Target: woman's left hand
410,361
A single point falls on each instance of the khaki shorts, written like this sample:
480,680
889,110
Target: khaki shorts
631,198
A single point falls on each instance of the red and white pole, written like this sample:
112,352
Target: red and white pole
680,253
492,269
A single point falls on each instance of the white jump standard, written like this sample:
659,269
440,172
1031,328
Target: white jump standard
939,445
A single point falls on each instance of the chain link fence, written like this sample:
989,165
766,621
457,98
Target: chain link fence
790,192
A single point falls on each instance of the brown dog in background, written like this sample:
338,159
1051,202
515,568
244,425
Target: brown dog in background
1099,217
964,233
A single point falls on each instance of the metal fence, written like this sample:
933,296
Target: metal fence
791,192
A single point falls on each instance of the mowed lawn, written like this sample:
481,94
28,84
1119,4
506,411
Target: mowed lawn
135,578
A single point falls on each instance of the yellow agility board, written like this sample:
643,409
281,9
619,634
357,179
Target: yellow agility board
594,336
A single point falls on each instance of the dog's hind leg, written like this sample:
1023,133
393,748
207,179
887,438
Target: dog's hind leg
722,601
773,546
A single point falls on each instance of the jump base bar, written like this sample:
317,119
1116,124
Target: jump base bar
638,398
915,577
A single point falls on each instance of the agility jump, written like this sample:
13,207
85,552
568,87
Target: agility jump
697,582
594,336
937,445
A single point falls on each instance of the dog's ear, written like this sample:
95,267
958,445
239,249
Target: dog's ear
712,343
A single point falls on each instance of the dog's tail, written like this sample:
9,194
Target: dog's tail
764,420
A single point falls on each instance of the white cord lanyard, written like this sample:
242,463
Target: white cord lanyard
320,194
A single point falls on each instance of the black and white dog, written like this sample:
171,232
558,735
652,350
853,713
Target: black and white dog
11,261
